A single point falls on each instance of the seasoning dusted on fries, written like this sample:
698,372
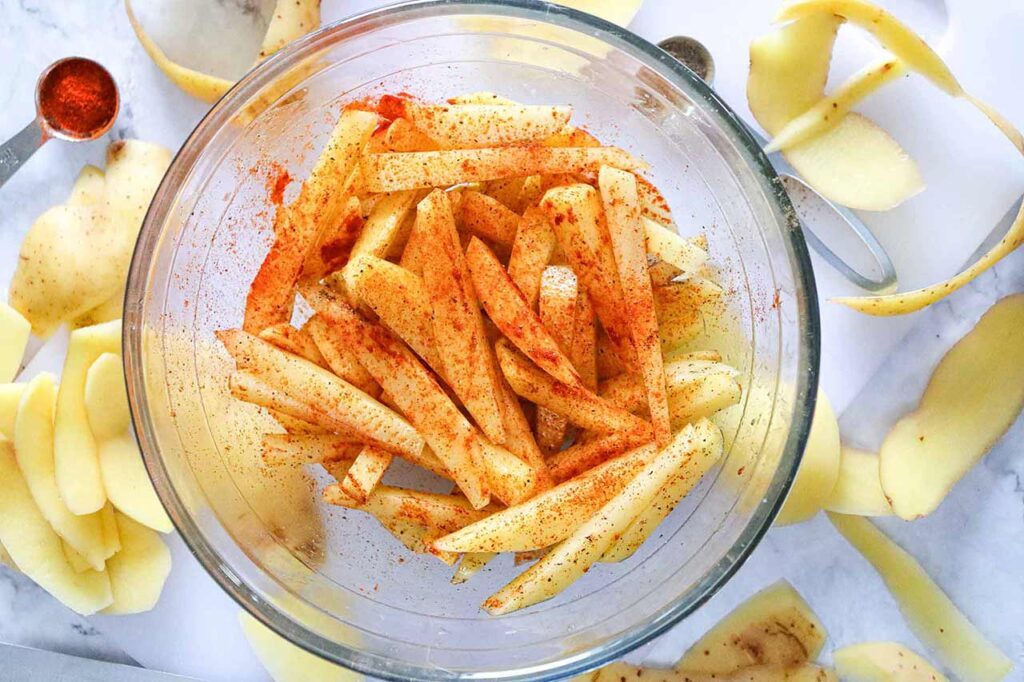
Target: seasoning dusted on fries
499,264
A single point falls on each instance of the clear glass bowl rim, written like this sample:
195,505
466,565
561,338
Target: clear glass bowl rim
542,12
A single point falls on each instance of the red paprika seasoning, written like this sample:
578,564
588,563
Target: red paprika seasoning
78,98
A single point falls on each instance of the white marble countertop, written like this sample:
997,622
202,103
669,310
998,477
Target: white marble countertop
973,545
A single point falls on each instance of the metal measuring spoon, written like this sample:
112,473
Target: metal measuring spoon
695,56
76,100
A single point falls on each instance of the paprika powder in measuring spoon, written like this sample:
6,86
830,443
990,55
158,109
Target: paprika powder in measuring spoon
76,100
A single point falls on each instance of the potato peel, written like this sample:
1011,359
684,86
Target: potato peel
196,83
291,19
911,301
819,467
934,619
855,163
830,110
774,627
858,490
892,33
883,662
974,395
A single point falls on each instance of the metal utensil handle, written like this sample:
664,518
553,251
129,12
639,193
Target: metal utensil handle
19,148
887,281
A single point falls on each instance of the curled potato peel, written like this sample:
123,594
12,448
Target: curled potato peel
974,395
291,19
931,615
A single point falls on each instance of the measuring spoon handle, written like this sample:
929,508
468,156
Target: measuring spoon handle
19,148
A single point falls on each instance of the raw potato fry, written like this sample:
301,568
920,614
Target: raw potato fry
400,300
571,558
583,456
339,359
616,672
583,351
36,548
285,449
570,136
75,453
333,246
294,341
706,444
466,357
683,307
856,164
828,111
696,388
911,301
574,212
328,395
251,388
551,516
403,136
137,572
10,396
487,218
929,613
519,438
858,490
33,447
365,473
653,205
416,392
470,565
290,424
318,206
557,305
507,308
446,513
125,479
468,126
819,467
381,230
883,662
576,403
622,210
775,627
14,333
414,170
531,252
688,254
972,398
290,20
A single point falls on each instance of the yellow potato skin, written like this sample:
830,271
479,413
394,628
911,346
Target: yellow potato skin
929,613
774,627
855,163
974,395
883,662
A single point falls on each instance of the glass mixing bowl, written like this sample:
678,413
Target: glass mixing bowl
331,580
